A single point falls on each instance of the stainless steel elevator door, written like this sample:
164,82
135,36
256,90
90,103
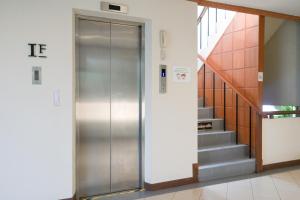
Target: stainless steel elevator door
93,108
108,107
125,88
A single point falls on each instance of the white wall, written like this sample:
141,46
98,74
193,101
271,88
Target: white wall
280,140
281,69
36,145
271,26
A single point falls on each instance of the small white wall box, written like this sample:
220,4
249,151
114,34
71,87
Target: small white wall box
260,76
113,7
56,98
36,75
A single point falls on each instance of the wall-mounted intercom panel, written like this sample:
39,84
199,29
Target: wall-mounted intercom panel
36,75
163,39
112,7
162,79
163,44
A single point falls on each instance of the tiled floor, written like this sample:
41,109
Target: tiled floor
281,185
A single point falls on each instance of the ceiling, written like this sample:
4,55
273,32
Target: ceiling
290,7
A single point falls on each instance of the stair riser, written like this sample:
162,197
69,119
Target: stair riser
216,126
215,139
214,173
200,101
222,155
205,113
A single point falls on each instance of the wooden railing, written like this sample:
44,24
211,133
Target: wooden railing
224,79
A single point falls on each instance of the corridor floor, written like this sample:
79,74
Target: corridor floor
275,185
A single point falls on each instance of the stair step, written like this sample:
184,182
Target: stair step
200,101
205,112
218,154
217,124
226,169
215,138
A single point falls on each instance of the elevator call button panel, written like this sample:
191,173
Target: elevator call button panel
162,79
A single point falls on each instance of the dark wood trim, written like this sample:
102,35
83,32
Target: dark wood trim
250,132
195,172
174,183
261,63
246,10
281,165
236,118
261,57
258,144
214,95
224,106
204,71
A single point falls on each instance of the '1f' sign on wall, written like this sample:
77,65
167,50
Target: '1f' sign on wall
37,50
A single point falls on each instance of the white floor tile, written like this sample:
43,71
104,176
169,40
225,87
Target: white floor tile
238,190
286,186
168,196
193,194
264,188
296,176
214,192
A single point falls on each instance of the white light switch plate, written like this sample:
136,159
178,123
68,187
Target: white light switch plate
260,76
56,98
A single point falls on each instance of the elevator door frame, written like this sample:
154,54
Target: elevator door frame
142,89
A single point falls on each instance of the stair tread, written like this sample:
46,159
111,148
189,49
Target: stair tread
221,164
214,132
220,147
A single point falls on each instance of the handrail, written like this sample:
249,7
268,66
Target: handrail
272,113
264,114
236,90
202,14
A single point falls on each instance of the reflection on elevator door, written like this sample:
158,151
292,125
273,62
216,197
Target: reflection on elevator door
108,105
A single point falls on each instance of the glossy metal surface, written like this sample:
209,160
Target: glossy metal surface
93,108
108,107
125,100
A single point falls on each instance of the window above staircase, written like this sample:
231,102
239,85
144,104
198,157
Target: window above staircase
212,22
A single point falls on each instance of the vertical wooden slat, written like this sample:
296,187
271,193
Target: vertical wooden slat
258,144
224,95
261,61
237,118
214,95
204,85
250,132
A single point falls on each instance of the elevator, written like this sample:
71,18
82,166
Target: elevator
109,99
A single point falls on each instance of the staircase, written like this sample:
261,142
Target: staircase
219,155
